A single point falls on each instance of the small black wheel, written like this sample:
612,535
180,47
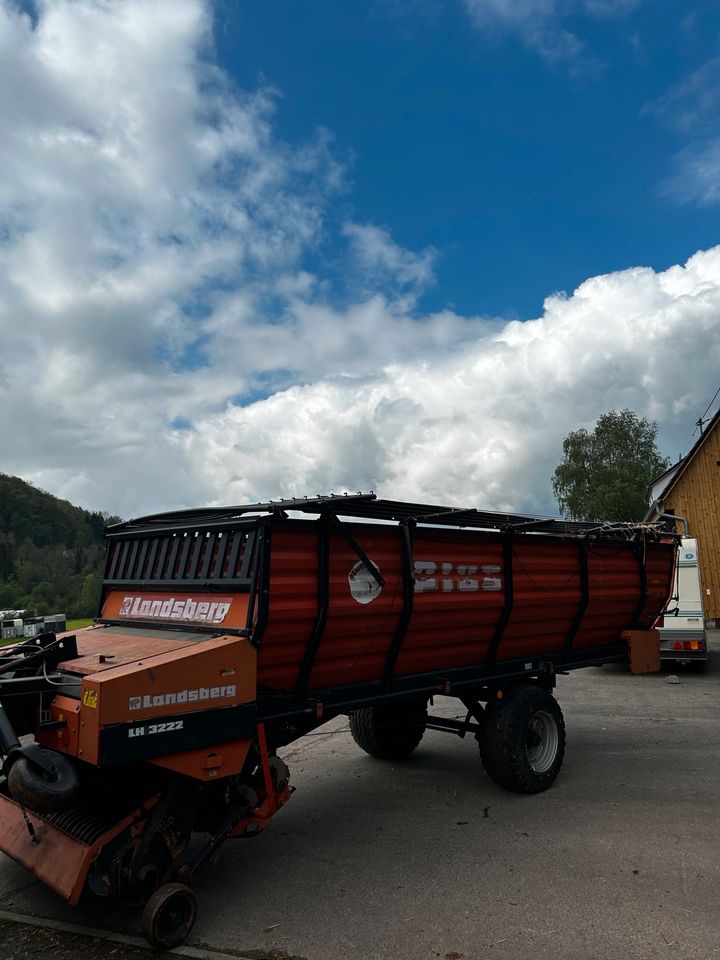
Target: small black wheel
522,744
169,915
44,791
389,731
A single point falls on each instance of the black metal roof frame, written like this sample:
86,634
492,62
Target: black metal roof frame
367,506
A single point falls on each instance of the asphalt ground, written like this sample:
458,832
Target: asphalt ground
429,859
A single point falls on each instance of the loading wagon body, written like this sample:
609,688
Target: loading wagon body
226,633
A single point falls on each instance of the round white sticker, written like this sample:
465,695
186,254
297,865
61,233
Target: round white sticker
363,585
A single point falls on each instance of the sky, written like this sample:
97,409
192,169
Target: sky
267,249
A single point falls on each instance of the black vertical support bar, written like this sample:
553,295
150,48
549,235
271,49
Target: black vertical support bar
639,549
128,572
187,541
140,573
196,554
172,559
323,602
207,560
161,559
151,559
509,597
238,537
225,537
260,587
584,595
247,559
408,574
116,551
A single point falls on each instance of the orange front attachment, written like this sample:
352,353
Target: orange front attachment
177,676
59,860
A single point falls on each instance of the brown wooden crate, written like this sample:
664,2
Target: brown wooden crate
643,650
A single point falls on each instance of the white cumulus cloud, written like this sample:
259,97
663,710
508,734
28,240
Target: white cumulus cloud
484,424
379,260
167,340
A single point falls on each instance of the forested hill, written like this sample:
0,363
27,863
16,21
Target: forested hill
50,552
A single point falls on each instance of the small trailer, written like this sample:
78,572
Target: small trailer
226,633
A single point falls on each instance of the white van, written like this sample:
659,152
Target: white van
682,625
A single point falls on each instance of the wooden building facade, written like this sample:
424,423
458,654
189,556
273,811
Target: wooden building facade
691,488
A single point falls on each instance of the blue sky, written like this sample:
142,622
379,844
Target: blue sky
251,250
514,167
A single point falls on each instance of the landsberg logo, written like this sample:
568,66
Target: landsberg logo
182,696
172,608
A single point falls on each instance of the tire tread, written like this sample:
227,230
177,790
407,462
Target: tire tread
502,743
389,732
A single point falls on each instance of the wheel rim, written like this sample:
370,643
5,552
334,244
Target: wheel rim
174,919
541,743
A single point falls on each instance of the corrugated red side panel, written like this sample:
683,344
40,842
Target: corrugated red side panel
358,634
660,568
546,594
458,601
292,606
614,582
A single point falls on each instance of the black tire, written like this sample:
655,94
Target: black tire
40,791
169,915
389,731
522,744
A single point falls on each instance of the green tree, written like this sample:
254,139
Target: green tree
89,596
51,553
604,475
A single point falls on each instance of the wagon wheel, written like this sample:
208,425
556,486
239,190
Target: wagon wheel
522,743
389,731
169,915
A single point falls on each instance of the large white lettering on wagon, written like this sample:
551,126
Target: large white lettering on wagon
442,576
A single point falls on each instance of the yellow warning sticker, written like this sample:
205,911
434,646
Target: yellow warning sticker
90,699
